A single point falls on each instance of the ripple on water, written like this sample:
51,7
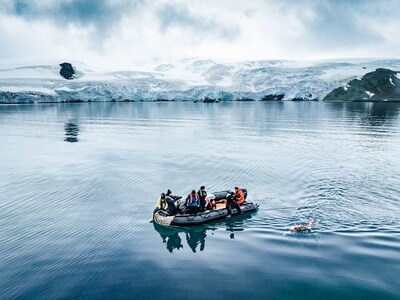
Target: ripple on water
75,216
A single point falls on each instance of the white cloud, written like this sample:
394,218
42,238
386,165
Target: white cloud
118,33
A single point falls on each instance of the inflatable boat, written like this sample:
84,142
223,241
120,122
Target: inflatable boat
220,212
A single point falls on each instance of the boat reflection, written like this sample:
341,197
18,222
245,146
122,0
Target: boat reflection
171,236
196,236
71,132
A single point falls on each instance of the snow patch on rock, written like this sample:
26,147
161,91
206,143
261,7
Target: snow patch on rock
370,94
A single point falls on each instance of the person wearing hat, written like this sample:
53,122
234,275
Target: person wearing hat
193,202
171,199
202,196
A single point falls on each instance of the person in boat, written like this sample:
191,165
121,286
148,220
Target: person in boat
161,203
170,195
232,203
180,205
210,202
193,202
171,199
239,196
172,210
202,196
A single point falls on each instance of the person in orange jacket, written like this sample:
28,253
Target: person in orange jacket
239,196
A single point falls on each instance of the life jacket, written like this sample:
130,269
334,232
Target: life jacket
202,193
191,198
162,203
239,195
210,203
195,202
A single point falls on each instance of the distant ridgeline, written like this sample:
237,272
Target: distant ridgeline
203,81
380,85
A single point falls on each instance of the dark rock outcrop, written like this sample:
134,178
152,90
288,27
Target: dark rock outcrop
272,97
380,85
305,98
244,99
209,100
67,71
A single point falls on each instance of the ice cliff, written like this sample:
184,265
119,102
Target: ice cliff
186,79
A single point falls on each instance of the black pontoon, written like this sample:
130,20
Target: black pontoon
163,218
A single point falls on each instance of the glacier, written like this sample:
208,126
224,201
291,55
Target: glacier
190,79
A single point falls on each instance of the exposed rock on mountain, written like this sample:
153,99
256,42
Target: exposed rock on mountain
380,85
272,97
67,71
309,97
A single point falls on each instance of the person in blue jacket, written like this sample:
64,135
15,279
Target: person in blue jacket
193,202
171,199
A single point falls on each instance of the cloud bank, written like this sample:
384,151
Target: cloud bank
120,33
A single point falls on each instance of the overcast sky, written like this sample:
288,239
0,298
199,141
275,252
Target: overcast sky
121,32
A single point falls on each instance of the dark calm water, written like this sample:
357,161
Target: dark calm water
78,184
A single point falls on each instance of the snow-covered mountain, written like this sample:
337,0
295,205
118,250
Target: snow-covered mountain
186,79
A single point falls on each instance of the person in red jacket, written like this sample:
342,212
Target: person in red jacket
239,196
302,227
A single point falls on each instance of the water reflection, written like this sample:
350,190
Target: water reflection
370,115
71,132
196,236
85,212
171,237
237,224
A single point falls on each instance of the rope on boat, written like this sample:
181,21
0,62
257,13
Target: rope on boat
165,220
201,215
191,217
221,212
